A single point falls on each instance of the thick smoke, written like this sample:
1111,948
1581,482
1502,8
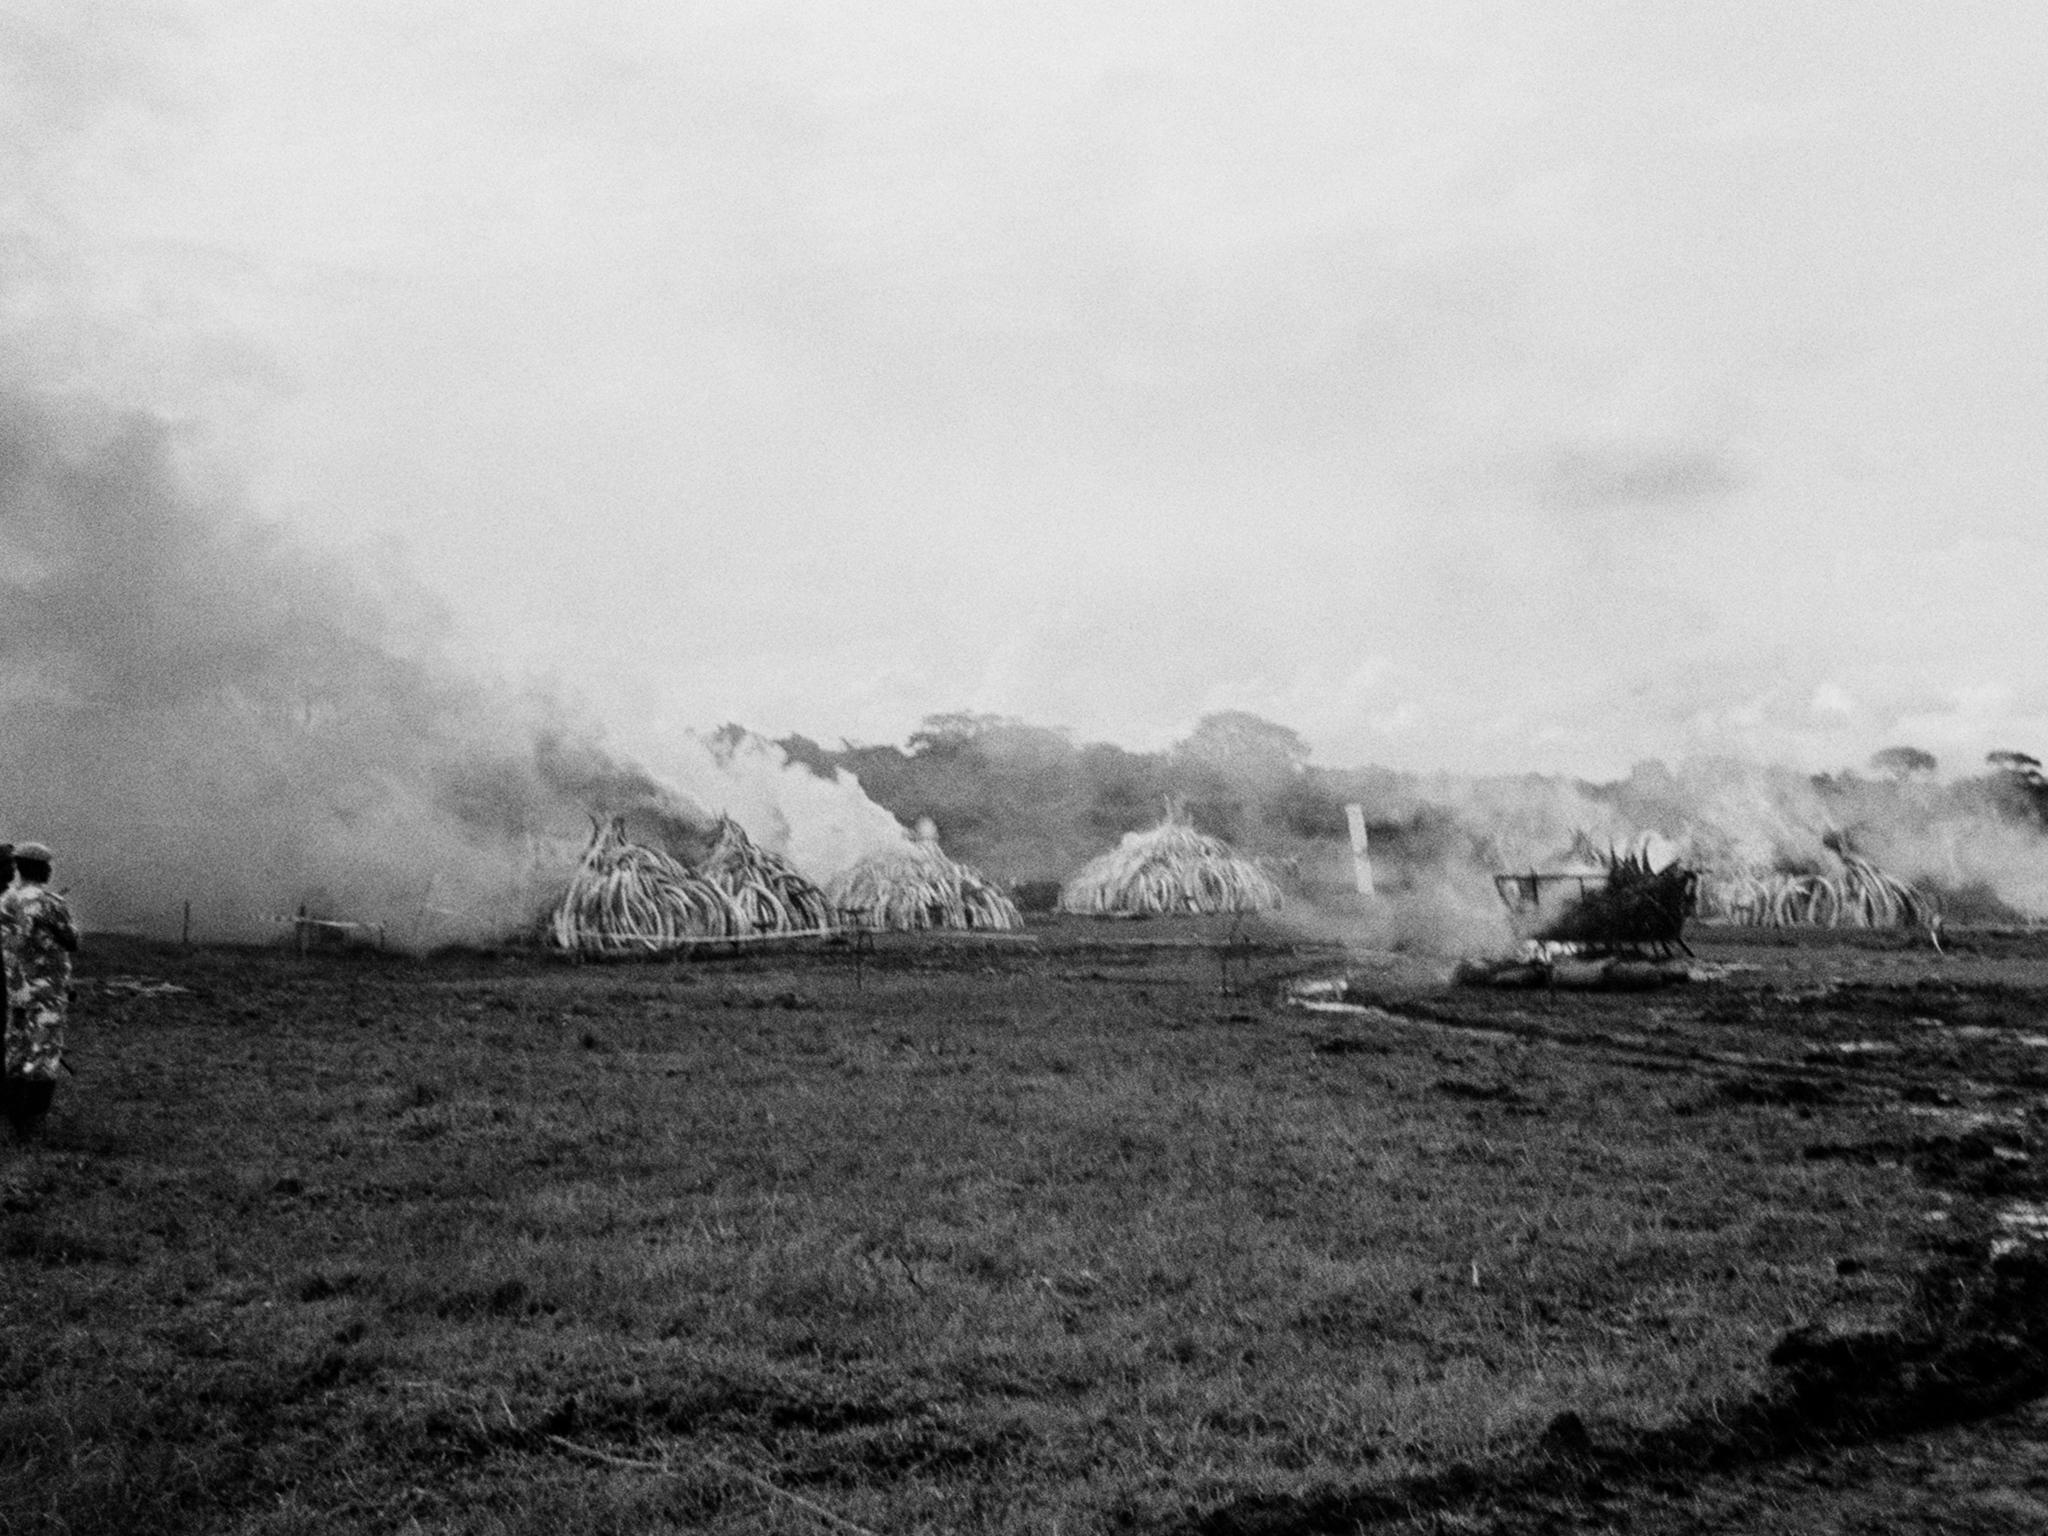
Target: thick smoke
1028,804
822,823
196,708
1976,845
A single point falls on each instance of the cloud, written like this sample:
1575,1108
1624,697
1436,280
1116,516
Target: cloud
823,367
1647,479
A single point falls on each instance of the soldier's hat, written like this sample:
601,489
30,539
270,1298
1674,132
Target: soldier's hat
31,853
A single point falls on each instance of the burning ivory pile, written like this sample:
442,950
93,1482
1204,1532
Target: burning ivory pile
771,896
625,898
913,886
1170,868
1839,890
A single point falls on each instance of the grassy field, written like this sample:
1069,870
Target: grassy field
1007,1238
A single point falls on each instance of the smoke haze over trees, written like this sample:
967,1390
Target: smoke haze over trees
1029,803
195,706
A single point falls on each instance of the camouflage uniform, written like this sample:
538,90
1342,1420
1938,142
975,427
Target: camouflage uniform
37,937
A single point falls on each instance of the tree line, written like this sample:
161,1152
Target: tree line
1030,803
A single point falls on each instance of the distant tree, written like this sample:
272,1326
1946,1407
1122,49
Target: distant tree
1241,743
1308,807
801,749
1024,746
1902,763
2016,786
955,729
727,740
1125,790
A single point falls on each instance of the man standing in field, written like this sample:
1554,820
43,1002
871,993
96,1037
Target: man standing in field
37,938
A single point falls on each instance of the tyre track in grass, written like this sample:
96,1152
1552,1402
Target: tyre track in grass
1831,1072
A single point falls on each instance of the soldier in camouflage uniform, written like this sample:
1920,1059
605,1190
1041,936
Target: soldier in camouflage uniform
38,938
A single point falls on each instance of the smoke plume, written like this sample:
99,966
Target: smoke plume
196,708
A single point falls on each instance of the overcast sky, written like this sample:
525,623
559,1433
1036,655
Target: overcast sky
1536,385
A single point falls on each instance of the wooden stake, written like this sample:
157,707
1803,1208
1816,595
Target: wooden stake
1361,858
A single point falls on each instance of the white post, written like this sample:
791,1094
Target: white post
1361,860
